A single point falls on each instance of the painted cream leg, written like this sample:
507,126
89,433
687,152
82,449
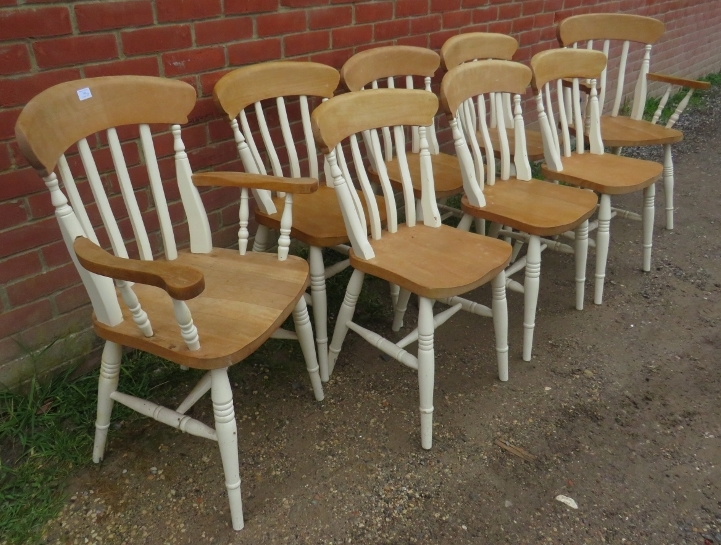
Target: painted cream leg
465,223
227,432
500,323
305,338
426,369
107,384
668,184
260,242
395,290
602,242
649,197
480,225
530,290
345,315
581,255
320,308
400,309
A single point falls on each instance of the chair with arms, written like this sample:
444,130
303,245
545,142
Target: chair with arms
432,260
604,173
206,308
620,131
317,218
534,207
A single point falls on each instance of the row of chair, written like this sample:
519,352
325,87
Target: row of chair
224,304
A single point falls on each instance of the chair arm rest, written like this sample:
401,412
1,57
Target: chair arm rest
180,281
683,82
256,181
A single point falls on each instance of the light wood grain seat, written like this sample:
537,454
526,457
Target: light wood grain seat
246,298
317,220
420,259
421,255
534,206
608,173
633,31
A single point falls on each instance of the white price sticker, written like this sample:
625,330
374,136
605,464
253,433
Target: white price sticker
84,93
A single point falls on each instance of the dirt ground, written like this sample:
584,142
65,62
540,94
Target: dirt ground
620,406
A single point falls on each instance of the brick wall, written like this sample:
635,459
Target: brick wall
44,312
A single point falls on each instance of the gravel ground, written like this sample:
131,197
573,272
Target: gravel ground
619,407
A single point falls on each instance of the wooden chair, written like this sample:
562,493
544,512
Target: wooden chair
605,173
432,260
205,308
317,221
619,131
476,46
536,208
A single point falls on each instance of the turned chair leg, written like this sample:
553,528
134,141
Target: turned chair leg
602,242
400,309
426,369
395,290
668,184
260,242
499,310
227,433
530,291
305,338
320,308
345,315
581,255
649,197
107,384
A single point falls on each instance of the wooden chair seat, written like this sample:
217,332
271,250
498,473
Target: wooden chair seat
534,207
446,174
622,131
607,174
317,218
422,259
246,298
534,143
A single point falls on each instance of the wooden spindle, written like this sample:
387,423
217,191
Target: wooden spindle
621,77
187,328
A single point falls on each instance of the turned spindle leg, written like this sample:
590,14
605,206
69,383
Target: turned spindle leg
320,308
668,184
345,315
530,291
581,255
602,242
649,197
107,384
426,369
499,309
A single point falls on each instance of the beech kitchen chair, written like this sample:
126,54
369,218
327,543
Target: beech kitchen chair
425,257
476,46
317,218
619,131
206,308
534,207
604,173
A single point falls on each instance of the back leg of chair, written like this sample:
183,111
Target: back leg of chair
426,369
400,309
499,310
602,241
305,338
260,243
107,384
649,198
668,184
581,255
530,290
345,315
227,433
320,308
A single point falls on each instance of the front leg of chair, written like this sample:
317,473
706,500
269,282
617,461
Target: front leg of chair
260,242
301,319
395,290
227,433
400,309
499,309
320,308
530,290
345,315
668,184
426,369
581,255
107,384
649,197
480,225
602,242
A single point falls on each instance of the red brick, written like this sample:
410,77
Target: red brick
531,7
250,6
107,15
40,205
16,320
437,39
509,11
416,41
300,44
147,66
32,289
523,24
19,266
19,182
5,154
255,51
280,23
332,17
24,22
500,27
391,29
209,79
223,30
352,35
186,10
219,130
71,298
456,19
424,25
152,40
75,50
192,61
406,8
303,3
373,11
474,3
55,254
445,5
14,59
8,117
203,110
335,58
210,156
485,15
551,6
12,213
28,236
